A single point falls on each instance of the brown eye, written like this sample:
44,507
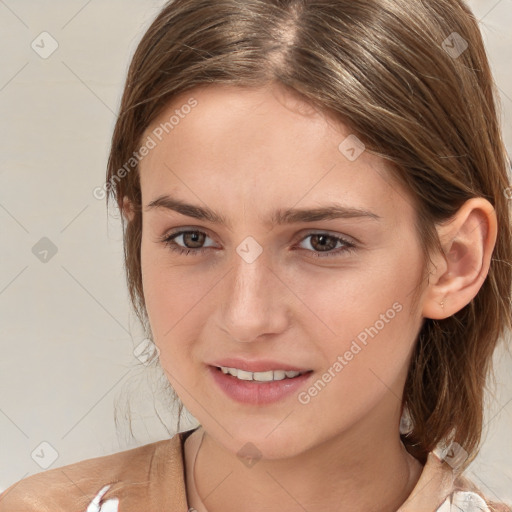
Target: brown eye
323,242
326,243
192,241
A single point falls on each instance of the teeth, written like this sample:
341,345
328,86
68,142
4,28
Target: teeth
260,376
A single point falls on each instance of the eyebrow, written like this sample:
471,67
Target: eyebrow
279,217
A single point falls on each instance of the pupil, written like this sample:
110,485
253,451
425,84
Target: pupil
195,237
323,241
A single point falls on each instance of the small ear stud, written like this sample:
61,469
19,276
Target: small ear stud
442,304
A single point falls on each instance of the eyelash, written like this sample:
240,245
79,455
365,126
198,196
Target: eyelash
168,241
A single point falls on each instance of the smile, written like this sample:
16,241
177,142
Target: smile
268,376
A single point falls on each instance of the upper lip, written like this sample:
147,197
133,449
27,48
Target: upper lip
256,365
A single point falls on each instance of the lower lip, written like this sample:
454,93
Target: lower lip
254,392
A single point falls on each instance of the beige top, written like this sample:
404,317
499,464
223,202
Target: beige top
152,478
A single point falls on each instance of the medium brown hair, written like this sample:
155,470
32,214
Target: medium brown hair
383,68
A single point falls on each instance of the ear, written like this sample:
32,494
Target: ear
468,240
127,209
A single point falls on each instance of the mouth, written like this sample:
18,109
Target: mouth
264,376
258,388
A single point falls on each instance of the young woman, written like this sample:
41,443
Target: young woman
318,241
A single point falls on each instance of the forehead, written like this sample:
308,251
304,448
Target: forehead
262,147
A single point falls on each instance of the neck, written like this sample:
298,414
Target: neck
357,473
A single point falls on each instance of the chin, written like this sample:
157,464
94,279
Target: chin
260,439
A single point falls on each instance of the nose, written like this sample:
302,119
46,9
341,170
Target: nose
254,301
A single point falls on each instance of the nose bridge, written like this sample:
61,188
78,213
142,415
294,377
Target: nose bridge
251,306
249,278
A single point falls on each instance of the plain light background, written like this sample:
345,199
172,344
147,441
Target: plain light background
67,331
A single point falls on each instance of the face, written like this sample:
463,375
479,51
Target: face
327,294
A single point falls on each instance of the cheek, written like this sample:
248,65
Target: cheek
345,301
176,301
162,294
363,315
366,361
168,314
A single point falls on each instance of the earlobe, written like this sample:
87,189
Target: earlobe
468,240
127,209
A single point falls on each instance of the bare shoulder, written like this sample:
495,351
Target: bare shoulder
71,488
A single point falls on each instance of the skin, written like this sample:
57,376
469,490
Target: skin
244,153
